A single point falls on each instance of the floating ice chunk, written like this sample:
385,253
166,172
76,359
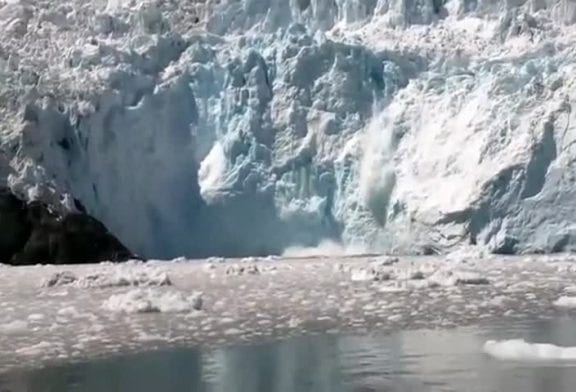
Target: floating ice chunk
470,278
377,270
294,322
456,278
570,290
153,301
385,261
462,255
520,350
14,328
69,311
416,275
115,277
392,288
520,287
146,337
63,278
128,277
215,260
566,302
232,331
36,349
180,259
369,274
498,301
567,268
361,275
394,318
420,284
409,274
238,269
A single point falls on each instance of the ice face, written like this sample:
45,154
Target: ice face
247,127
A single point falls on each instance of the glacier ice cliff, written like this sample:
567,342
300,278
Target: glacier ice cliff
237,128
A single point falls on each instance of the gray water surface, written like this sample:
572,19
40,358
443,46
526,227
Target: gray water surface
413,361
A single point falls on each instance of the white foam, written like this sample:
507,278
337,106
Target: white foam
324,248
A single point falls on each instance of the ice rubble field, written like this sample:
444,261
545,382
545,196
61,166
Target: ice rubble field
248,127
59,314
394,125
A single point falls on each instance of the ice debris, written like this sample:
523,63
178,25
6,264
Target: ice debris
377,270
520,350
240,269
369,274
38,349
113,277
215,260
154,301
64,278
430,275
14,327
565,302
457,278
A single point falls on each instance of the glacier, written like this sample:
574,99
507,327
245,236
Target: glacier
239,128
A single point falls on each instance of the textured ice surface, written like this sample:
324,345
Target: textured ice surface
14,327
150,301
418,275
66,322
520,350
566,302
247,127
123,275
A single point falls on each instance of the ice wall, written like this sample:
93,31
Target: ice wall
246,127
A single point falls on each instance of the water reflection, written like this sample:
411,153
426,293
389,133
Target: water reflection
404,362
170,371
309,364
